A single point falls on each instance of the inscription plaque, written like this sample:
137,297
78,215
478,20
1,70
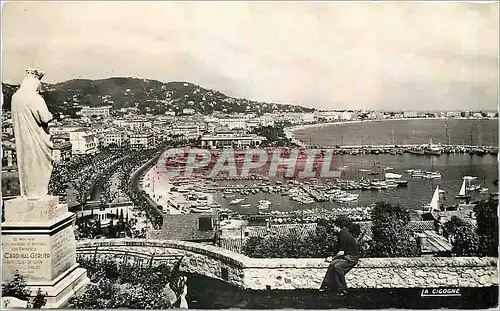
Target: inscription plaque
63,250
30,255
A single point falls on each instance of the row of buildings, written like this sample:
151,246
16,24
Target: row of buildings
97,129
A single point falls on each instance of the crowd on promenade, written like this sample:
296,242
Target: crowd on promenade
81,172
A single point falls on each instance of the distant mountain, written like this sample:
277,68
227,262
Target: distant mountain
148,96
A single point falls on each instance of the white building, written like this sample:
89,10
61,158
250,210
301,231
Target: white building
115,137
410,114
141,140
95,111
189,131
477,115
266,120
61,151
307,117
230,123
346,116
137,124
64,129
453,114
328,115
83,141
491,114
231,140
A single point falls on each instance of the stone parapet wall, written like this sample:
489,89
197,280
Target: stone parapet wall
290,273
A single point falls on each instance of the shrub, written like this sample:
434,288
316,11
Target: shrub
17,288
465,240
391,237
121,285
487,227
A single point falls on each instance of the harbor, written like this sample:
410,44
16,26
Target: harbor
408,180
406,174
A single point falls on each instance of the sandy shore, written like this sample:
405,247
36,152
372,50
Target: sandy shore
159,188
289,131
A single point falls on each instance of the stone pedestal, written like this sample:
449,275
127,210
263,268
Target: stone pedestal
38,241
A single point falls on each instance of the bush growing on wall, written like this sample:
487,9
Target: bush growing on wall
121,285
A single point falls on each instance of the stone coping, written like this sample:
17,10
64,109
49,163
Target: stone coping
242,261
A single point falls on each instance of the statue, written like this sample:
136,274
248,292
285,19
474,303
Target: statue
30,118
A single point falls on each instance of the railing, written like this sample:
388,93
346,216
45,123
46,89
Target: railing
132,257
232,244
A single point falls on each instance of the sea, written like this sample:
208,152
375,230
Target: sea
419,191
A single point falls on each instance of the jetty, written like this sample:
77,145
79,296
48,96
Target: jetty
315,194
400,149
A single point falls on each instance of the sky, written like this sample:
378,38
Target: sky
326,55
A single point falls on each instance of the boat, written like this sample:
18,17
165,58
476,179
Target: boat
433,205
432,175
391,184
236,201
307,200
463,191
246,205
484,190
417,173
432,149
416,151
200,209
264,204
473,187
401,183
392,176
348,197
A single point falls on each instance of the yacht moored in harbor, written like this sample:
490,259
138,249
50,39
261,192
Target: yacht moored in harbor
236,201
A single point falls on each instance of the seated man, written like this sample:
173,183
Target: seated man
343,262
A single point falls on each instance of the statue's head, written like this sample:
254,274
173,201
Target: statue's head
32,80
35,72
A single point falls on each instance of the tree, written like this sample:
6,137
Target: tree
465,240
81,190
487,227
391,237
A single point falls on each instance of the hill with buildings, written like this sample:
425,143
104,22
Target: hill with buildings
145,96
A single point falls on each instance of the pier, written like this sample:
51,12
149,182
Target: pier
315,194
400,149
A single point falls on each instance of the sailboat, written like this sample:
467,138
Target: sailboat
463,190
433,205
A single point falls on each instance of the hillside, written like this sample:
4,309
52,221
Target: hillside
148,96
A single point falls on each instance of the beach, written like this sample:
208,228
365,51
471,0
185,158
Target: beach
468,131
160,189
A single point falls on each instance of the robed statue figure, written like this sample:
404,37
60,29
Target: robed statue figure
30,118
